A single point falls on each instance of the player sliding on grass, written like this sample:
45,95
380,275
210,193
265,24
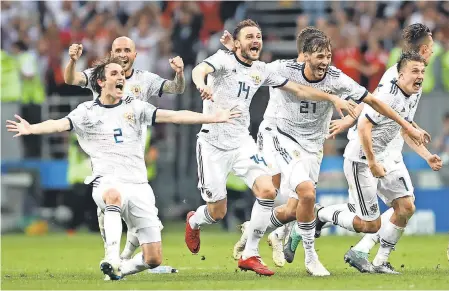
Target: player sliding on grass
109,130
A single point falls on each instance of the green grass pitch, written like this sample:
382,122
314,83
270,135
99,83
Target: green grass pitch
58,261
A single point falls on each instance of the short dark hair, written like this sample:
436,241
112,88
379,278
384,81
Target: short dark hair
414,36
242,24
99,71
409,56
305,34
317,43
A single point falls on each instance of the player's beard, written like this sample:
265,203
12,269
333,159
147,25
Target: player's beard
246,54
316,70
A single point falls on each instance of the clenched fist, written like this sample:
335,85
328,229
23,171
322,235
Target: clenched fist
177,64
75,51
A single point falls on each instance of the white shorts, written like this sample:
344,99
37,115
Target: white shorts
266,147
138,207
364,187
214,166
296,165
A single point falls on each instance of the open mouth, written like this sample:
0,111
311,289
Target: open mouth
418,84
119,86
321,71
254,49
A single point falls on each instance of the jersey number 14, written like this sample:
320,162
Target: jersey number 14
243,89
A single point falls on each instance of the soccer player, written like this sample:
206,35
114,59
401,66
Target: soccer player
371,171
232,80
301,130
109,130
417,38
140,85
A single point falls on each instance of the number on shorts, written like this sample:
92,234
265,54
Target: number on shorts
403,181
118,136
258,159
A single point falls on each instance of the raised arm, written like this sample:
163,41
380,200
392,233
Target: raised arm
190,117
199,74
71,77
49,126
434,161
178,84
365,127
416,135
309,93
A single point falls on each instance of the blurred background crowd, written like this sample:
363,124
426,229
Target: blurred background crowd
35,37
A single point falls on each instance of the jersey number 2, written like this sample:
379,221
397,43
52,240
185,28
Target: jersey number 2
118,136
243,88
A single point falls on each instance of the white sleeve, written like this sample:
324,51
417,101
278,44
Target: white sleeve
217,61
88,73
274,77
347,88
78,119
153,84
375,117
147,112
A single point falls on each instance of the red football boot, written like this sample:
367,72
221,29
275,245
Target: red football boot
192,236
255,264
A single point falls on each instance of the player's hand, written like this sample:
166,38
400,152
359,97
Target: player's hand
377,169
338,126
227,40
22,127
227,115
435,162
177,64
416,135
427,137
206,92
75,51
348,106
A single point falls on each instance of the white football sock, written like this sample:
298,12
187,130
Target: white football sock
100,215
201,216
389,236
369,240
113,231
260,217
132,243
307,231
344,218
134,265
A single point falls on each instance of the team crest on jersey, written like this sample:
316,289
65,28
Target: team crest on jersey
135,89
129,116
296,154
256,78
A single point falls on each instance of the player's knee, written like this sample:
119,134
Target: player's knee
112,197
407,209
264,188
306,192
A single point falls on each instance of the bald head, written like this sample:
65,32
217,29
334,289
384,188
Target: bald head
124,48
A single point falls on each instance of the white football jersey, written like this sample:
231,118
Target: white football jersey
112,136
233,85
396,145
307,122
141,85
385,130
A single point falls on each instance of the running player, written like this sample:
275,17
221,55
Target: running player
109,129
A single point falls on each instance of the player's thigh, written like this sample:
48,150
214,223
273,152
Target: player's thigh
249,164
140,211
363,190
297,166
396,184
214,165
266,148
